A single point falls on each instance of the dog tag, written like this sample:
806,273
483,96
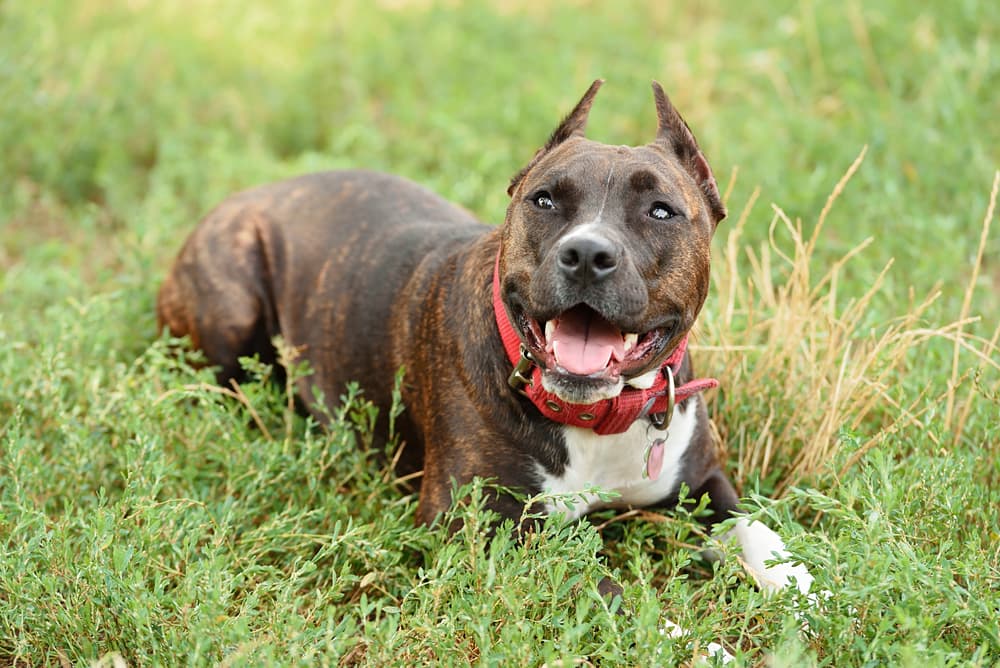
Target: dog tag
654,459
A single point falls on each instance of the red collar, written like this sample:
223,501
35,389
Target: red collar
608,416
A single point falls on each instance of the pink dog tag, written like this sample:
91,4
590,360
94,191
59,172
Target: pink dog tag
654,459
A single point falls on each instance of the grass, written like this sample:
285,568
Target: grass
147,518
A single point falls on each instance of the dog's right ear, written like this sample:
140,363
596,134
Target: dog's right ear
673,133
572,126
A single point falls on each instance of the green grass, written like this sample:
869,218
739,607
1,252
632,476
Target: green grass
144,515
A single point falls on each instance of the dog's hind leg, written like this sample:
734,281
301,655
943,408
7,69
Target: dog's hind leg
215,294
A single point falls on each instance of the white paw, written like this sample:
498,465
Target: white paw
760,544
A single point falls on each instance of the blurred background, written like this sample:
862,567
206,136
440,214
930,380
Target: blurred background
123,122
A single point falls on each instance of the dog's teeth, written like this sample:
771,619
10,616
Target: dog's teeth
630,341
550,328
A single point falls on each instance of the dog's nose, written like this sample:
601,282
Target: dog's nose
588,259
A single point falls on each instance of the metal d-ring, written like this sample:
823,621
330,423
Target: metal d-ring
662,420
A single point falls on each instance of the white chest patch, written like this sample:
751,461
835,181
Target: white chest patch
616,463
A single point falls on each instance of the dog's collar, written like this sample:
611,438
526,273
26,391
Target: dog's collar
608,416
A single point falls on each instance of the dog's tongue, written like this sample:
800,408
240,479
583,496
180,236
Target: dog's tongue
583,341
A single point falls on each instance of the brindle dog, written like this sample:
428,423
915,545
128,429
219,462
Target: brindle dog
596,277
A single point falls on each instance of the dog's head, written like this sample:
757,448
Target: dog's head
605,256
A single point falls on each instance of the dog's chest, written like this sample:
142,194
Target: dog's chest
616,463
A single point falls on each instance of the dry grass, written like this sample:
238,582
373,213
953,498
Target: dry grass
797,366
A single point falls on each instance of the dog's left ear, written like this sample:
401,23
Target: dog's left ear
675,134
572,126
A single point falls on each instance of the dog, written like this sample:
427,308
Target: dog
547,354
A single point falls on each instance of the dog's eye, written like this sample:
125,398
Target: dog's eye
543,200
661,211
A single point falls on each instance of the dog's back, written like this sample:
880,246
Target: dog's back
297,258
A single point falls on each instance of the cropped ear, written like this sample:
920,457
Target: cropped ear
675,134
572,126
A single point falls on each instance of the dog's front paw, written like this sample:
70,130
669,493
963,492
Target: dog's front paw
759,544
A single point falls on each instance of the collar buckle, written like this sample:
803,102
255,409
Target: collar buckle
520,377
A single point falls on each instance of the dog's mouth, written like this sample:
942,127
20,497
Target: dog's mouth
581,343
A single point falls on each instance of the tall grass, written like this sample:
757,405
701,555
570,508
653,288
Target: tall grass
800,364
